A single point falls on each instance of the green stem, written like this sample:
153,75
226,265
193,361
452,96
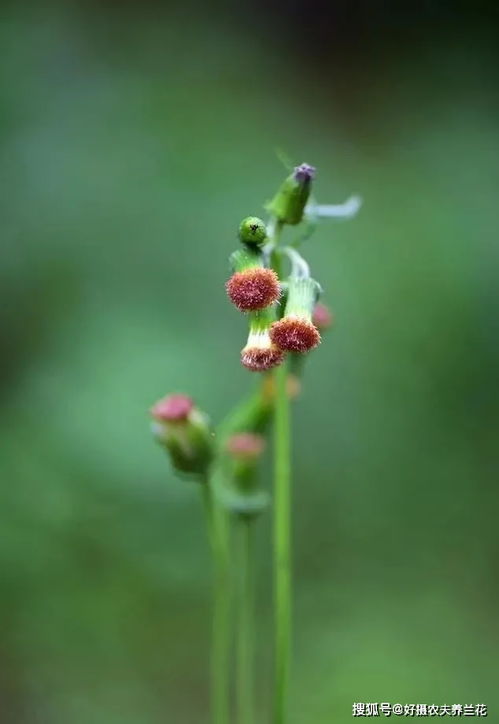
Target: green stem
282,545
245,642
218,533
282,524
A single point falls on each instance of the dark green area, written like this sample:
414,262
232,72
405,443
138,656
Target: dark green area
131,146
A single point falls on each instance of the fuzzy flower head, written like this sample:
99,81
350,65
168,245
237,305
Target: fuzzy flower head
252,286
296,332
253,289
184,432
260,353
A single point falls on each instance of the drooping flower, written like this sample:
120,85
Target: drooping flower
295,331
260,353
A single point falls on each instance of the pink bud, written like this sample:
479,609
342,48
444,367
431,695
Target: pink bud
246,446
172,408
322,317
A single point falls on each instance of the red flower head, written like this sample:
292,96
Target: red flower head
253,289
295,334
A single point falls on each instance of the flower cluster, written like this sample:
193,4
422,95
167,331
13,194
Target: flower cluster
280,312
272,287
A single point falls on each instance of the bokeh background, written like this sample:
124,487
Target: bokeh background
133,137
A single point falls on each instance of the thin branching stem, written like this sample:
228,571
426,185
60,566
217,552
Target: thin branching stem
245,634
282,545
218,532
282,525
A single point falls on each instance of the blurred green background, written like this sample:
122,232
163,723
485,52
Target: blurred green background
133,138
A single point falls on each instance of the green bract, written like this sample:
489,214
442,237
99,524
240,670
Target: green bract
243,259
301,298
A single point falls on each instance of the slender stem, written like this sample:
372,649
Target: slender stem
245,642
220,647
282,524
282,545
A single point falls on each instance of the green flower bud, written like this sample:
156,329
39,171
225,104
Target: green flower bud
253,231
184,432
289,203
241,494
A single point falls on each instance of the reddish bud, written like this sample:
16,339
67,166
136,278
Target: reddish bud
246,446
294,334
173,408
322,317
253,289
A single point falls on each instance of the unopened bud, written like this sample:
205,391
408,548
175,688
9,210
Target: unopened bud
184,431
172,408
241,494
322,317
252,231
245,446
288,205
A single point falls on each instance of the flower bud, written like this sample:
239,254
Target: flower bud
245,446
296,332
184,431
241,494
260,353
289,203
322,317
252,231
252,286
244,451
